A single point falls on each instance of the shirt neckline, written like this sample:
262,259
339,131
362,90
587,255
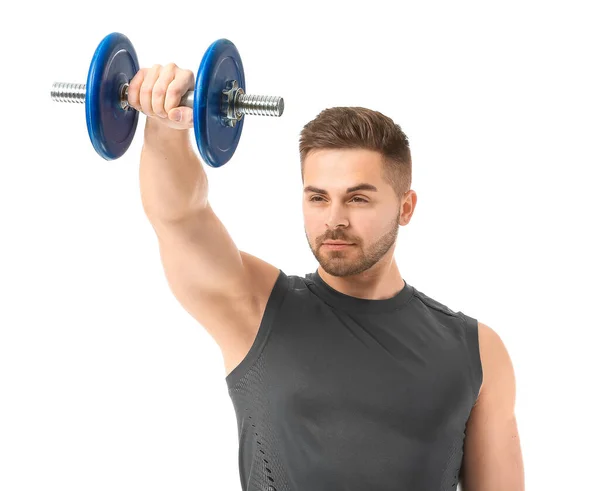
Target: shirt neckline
349,303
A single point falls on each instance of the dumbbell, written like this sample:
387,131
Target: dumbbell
219,100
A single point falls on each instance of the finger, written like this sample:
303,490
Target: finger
146,89
184,116
133,92
159,90
183,81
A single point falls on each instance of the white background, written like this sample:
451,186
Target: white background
106,383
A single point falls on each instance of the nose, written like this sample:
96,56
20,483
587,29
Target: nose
337,222
337,217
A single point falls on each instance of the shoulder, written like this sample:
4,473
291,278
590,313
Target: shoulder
434,304
495,360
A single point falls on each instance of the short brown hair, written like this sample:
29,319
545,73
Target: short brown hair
358,127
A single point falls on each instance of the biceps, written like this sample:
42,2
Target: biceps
492,452
492,458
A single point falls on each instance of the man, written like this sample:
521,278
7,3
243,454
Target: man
349,378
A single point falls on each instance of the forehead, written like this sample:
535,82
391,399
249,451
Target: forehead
341,168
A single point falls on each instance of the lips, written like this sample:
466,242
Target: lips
332,246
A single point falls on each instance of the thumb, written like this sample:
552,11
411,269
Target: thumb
182,115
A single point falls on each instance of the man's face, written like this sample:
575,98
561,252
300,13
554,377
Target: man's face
366,218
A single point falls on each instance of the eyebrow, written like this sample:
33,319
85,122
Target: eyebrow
360,187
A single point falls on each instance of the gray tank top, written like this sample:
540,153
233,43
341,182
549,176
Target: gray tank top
342,393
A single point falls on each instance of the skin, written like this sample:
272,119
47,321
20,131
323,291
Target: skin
157,92
369,219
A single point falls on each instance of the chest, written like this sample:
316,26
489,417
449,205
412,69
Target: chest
345,373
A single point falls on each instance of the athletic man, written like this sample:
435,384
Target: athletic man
348,378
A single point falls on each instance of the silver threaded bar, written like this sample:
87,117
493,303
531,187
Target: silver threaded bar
255,105
259,105
64,92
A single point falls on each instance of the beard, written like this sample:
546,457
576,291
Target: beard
354,259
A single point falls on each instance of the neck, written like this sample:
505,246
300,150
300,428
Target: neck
380,282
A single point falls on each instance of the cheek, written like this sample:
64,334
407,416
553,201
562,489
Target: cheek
311,225
368,229
312,218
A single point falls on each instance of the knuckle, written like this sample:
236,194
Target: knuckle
158,90
189,76
139,78
175,90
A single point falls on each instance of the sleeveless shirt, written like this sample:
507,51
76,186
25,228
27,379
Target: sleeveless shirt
343,393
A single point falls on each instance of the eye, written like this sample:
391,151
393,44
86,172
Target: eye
319,198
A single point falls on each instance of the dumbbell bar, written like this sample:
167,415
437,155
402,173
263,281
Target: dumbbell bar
237,105
219,101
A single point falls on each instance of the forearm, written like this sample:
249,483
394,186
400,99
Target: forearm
173,183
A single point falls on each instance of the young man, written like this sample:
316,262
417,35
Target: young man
348,378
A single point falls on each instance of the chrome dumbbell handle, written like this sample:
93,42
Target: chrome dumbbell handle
236,103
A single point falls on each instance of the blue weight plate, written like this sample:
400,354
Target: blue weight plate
220,64
111,129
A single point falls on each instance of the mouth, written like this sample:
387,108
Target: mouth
337,246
